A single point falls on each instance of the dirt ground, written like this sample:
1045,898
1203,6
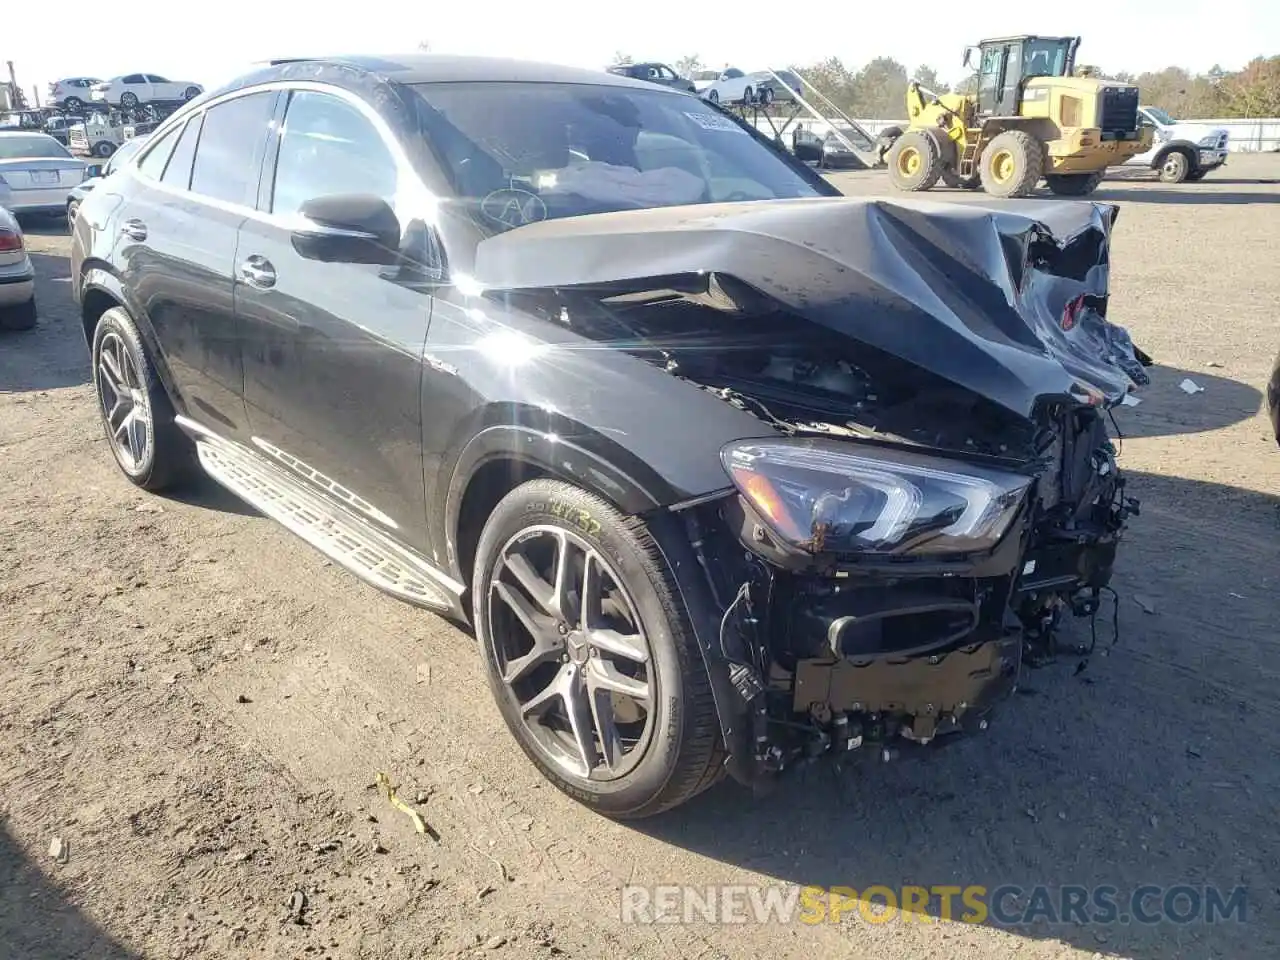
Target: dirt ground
196,704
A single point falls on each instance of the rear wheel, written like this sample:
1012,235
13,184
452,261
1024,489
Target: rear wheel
73,207
73,104
21,316
1012,164
915,161
191,93
589,652
748,95
136,413
766,96
885,140
1074,184
1175,167
104,148
713,96
128,100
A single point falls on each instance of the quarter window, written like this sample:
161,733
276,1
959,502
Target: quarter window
329,147
229,157
178,172
152,165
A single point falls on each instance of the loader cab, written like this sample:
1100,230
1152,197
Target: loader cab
1004,65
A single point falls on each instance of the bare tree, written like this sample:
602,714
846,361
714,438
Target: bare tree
688,66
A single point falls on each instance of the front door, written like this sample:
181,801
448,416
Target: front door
333,351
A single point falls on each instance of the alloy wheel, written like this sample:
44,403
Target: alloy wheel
126,408
572,654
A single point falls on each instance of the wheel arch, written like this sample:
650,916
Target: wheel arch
1182,146
100,290
534,443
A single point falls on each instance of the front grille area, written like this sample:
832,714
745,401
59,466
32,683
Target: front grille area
1118,111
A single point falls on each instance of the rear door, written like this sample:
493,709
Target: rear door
161,88
177,247
333,351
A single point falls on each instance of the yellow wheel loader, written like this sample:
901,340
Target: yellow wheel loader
1030,119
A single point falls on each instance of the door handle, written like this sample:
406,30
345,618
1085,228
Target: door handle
258,272
134,230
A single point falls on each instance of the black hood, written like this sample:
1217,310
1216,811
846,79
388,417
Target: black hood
977,295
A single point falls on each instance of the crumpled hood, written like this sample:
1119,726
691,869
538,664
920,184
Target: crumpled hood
977,295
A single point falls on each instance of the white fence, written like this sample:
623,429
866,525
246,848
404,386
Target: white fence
1247,136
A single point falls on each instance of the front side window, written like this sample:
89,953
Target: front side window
563,150
229,156
329,147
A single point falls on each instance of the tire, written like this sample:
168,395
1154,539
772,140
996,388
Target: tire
128,100
19,317
766,96
747,95
1175,167
915,161
73,104
1012,164
956,182
1074,184
190,93
680,752
73,207
169,455
885,140
713,96
104,148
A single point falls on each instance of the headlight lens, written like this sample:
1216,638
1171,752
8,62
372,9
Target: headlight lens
826,497
1209,141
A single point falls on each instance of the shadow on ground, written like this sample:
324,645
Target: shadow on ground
1185,193
44,226
37,922
1165,410
1097,782
53,354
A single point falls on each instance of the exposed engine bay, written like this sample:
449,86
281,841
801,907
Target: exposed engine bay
943,490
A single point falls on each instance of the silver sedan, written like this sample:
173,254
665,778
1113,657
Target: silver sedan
17,279
37,170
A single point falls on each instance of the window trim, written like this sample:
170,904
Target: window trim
408,176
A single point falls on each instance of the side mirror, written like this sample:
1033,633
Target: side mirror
348,228
968,57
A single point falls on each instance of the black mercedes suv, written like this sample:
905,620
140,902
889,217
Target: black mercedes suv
725,469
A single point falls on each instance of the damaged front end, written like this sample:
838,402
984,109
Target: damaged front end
936,488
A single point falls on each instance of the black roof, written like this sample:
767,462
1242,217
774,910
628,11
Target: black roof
443,68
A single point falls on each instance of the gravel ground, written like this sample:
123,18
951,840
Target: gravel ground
195,705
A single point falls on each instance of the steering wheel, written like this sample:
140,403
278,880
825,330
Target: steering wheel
736,196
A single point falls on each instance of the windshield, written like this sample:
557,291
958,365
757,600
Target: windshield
1160,117
35,147
1045,58
524,152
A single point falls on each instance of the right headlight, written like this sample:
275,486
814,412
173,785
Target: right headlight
832,497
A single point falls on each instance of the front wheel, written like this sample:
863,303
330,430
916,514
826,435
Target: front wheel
915,161
713,96
190,93
589,652
1175,167
1012,164
135,410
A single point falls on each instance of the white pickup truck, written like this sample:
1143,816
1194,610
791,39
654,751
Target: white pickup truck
1180,149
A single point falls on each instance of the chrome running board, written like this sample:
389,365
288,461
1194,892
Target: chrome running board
342,537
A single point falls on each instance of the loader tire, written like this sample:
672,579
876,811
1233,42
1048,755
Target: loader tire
1012,164
915,161
1074,184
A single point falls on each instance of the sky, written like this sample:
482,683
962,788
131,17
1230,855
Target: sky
212,43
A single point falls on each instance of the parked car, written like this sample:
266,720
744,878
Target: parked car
38,171
725,469
1181,149
17,278
135,89
658,73
780,85
97,172
72,93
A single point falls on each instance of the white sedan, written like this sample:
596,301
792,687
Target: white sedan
17,278
37,171
134,89
762,86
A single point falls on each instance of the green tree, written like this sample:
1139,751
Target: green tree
880,89
1255,90
927,77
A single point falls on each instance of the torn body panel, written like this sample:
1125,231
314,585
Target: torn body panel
962,347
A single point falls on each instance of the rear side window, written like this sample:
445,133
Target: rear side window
229,157
132,78
178,172
152,165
